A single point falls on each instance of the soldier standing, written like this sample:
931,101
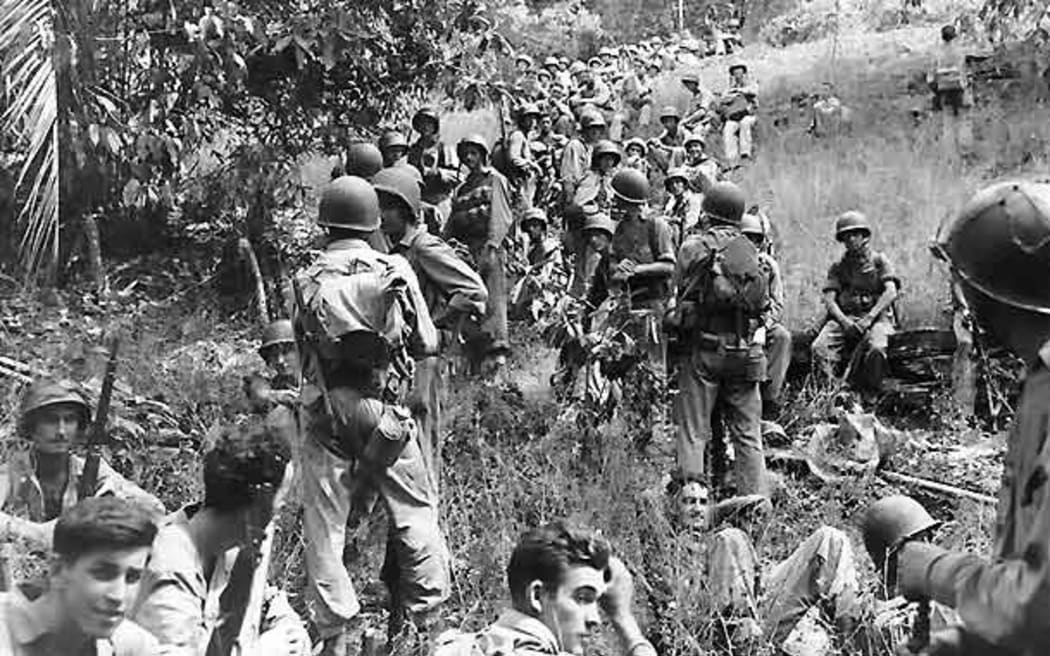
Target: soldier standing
433,160
595,193
524,171
701,170
999,252
859,295
668,150
452,290
720,311
683,209
482,219
361,314
576,158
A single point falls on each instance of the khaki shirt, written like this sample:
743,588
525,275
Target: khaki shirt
513,634
859,281
27,628
444,278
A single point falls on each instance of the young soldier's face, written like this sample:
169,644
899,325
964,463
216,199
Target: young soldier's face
393,154
54,427
472,157
428,128
693,503
535,230
635,152
283,360
676,186
695,150
571,611
97,589
670,124
599,240
738,76
607,163
856,241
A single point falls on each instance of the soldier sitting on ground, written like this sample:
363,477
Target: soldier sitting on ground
859,294
100,550
203,548
39,483
738,107
559,578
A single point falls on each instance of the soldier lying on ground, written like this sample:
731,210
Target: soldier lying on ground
558,578
999,253
100,551
38,484
183,599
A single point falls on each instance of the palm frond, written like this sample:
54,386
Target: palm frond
26,44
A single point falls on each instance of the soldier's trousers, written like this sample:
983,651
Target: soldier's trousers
732,376
494,274
430,377
778,359
329,482
821,571
736,138
832,343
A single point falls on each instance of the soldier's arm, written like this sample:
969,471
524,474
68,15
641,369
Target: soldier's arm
517,146
776,294
459,284
663,264
37,534
832,287
424,334
501,220
170,610
890,292
111,482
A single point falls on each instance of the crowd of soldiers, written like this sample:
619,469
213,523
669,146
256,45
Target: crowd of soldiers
418,248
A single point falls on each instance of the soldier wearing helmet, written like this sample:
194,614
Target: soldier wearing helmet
576,158
543,263
592,91
39,482
453,291
524,172
755,226
362,159
721,305
683,205
636,90
738,107
434,161
359,433
595,193
394,147
699,102
634,150
859,294
701,170
275,398
482,219
998,249
668,150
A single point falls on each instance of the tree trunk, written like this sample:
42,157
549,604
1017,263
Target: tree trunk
93,252
248,253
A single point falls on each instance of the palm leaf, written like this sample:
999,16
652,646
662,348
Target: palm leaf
26,43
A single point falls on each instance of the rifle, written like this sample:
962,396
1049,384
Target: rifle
241,604
97,437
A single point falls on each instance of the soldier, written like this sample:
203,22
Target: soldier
830,116
481,218
558,579
198,552
683,205
737,107
777,337
543,262
41,482
363,160
432,158
576,159
524,172
719,312
950,84
453,292
634,148
637,93
858,295
999,256
592,92
359,436
699,103
277,398
99,555
595,193
668,150
394,148
701,170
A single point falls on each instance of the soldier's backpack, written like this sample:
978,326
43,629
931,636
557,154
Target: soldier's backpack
352,310
949,79
731,277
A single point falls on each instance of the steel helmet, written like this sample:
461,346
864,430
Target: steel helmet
473,140
522,57
752,224
563,61
724,202
529,109
48,392
392,139
401,183
948,33
550,61
1000,244
677,173
592,119
363,159
594,61
690,77
849,222
606,51
694,137
543,72
670,111
577,67
630,186
349,202
277,332
737,65
605,147
891,520
600,221
635,142
426,114
534,214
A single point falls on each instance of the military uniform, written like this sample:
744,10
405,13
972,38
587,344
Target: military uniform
179,599
32,628
523,168
575,163
595,191
336,464
738,109
683,214
439,170
449,286
857,284
778,338
1002,601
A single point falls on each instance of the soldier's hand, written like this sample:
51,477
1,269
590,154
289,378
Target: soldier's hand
625,269
285,639
619,596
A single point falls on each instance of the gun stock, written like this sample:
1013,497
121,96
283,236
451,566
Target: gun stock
97,437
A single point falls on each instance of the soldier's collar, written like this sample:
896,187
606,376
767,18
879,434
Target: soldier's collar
350,243
1044,354
411,232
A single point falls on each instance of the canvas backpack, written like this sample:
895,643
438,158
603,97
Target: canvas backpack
731,277
353,309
